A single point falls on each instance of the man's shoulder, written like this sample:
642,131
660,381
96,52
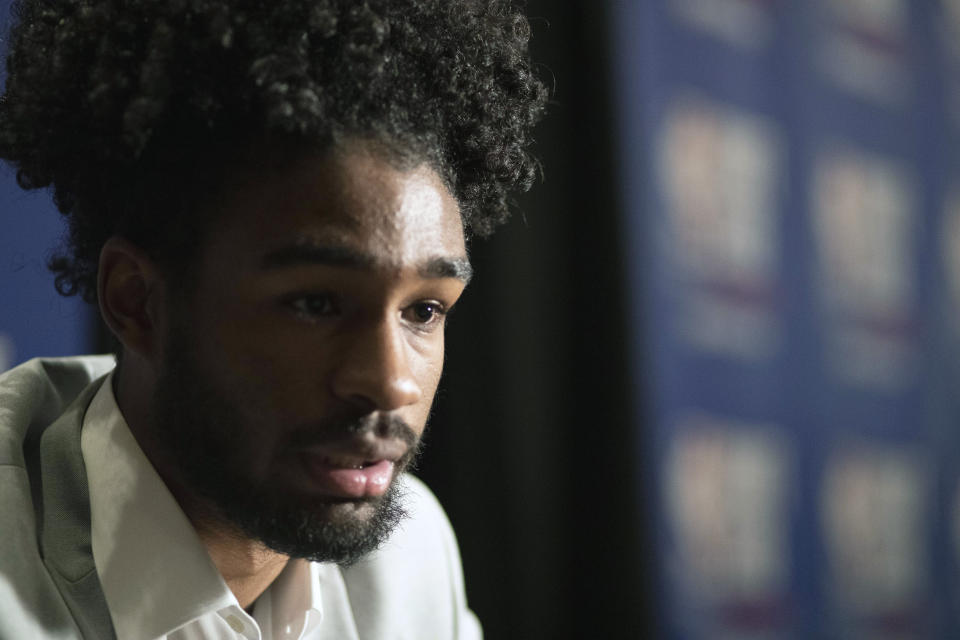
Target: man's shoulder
63,368
414,581
34,394
32,398
422,539
423,508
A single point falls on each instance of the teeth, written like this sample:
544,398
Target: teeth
344,464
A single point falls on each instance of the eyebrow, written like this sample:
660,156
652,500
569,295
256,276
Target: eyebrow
340,256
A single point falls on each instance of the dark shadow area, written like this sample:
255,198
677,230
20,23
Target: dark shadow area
532,445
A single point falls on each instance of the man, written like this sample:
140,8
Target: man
270,203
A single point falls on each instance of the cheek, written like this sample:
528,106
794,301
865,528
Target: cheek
428,373
287,374
271,374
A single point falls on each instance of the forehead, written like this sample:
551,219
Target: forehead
351,197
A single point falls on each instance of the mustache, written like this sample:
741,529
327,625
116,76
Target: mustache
339,429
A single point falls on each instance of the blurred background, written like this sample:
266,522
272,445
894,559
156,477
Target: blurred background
702,385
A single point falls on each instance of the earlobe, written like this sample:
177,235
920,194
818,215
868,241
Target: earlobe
127,291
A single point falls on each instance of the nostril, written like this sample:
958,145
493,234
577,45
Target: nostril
383,429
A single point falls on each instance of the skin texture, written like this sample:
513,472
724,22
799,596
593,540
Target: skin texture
319,295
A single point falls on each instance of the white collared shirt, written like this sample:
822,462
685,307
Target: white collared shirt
157,577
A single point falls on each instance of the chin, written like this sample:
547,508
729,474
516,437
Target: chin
314,527
348,511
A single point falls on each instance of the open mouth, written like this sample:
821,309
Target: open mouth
347,477
347,463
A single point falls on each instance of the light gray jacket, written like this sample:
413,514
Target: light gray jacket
412,588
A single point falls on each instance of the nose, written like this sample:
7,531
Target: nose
374,370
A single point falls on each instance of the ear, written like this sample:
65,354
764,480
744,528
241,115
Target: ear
129,293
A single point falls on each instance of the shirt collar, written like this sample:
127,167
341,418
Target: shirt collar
292,605
155,572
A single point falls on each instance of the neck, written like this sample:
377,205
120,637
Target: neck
247,566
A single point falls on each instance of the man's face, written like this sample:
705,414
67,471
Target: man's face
299,372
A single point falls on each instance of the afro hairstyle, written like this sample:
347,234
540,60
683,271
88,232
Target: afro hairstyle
132,111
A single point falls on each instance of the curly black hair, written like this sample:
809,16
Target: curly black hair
133,110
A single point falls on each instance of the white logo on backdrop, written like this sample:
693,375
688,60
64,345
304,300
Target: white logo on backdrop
873,506
742,23
7,353
864,224
950,249
726,486
720,173
864,48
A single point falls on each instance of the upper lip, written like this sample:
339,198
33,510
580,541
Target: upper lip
358,452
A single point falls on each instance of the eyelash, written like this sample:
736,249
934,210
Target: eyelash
299,305
439,313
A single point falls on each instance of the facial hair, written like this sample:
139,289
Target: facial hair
203,432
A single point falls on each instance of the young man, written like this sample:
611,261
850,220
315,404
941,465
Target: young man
270,203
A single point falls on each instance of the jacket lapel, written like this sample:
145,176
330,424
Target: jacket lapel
65,524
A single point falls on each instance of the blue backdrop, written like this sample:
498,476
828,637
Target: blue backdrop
793,215
34,320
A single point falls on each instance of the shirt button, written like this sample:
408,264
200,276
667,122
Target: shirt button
235,623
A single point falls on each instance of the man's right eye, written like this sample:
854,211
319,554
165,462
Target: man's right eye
314,305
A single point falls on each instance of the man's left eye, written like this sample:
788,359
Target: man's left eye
426,313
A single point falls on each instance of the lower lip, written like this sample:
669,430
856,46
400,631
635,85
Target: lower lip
344,482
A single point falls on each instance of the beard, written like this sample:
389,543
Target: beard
210,442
